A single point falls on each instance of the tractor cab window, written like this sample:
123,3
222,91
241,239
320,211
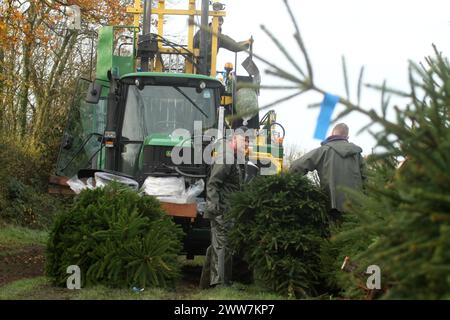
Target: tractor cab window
156,112
81,145
163,109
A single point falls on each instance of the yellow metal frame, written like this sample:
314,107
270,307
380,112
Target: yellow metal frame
191,23
162,11
136,10
226,100
214,45
261,141
261,156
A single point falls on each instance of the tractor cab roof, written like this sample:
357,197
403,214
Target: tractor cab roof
164,78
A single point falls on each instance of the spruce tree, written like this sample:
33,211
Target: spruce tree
279,223
117,238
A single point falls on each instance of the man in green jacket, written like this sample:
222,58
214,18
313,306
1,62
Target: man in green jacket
224,41
227,176
338,163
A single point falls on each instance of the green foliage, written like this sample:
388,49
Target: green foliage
279,224
403,223
18,161
117,238
26,206
24,173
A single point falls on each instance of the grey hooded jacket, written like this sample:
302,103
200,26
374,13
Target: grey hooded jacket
338,164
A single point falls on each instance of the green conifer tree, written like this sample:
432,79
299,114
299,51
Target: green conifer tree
117,238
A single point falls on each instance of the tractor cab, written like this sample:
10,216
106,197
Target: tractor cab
157,107
151,108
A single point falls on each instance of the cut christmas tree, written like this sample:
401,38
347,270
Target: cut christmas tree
117,238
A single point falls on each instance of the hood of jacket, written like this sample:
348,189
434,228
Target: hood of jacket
342,146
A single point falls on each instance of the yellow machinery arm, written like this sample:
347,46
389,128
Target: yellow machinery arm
190,12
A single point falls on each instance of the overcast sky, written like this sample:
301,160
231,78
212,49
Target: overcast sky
382,35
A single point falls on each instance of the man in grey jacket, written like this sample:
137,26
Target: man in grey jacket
338,163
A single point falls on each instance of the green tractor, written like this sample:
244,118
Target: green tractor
124,123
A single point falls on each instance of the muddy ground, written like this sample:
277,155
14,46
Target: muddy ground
21,263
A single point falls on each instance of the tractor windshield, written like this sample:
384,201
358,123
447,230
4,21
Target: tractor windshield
163,109
155,112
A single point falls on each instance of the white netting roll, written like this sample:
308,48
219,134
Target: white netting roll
247,103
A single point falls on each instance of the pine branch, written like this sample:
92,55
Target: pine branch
283,50
300,43
346,83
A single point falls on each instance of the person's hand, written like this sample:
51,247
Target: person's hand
247,43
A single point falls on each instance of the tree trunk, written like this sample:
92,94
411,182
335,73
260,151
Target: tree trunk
24,91
2,94
53,83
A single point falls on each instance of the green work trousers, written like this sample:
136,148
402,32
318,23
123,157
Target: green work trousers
218,262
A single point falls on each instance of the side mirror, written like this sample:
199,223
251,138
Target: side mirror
94,92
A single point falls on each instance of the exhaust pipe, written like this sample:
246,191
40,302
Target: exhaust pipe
146,24
204,34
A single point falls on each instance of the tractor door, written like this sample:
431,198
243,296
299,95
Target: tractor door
82,143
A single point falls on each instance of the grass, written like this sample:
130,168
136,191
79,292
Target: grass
237,292
11,236
40,288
